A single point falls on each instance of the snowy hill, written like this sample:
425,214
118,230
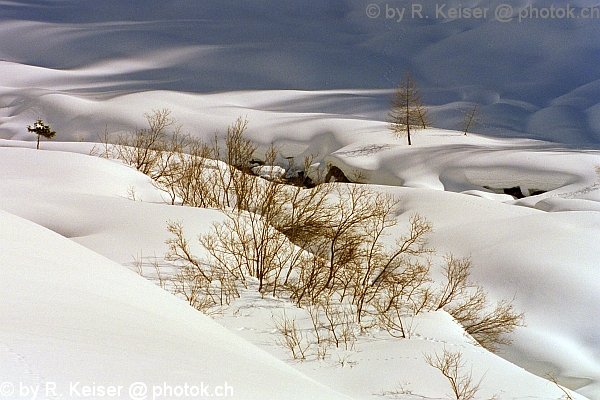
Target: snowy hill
74,319
91,201
68,61
521,198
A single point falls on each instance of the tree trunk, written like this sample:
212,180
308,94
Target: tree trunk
408,121
38,142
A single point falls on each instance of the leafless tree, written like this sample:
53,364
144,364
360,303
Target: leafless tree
471,118
407,112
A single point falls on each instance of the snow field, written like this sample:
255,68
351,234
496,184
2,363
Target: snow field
517,251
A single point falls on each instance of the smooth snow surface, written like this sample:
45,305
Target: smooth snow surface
69,61
74,319
521,197
71,317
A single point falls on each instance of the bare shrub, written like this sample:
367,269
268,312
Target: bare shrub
138,263
193,188
404,296
184,167
469,305
344,237
292,336
345,359
451,365
566,394
239,152
402,389
303,220
270,232
248,238
395,274
187,172
322,350
488,326
162,280
247,246
144,148
305,280
456,273
333,324
340,322
343,227
104,148
311,244
202,285
314,311
327,242
157,275
178,164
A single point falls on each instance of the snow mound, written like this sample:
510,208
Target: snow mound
537,78
73,319
516,251
448,160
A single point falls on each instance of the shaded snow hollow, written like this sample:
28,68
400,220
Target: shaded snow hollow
81,66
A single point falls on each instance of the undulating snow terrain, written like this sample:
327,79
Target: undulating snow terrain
314,78
75,322
72,63
518,251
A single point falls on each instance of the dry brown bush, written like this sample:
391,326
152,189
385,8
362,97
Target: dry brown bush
144,148
468,303
202,285
451,365
291,336
311,245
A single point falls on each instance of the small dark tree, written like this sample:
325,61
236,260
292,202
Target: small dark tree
41,129
407,112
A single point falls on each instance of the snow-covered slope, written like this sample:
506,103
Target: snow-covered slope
314,77
476,165
73,321
116,212
547,260
61,61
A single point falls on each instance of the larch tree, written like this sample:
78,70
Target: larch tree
408,113
41,129
471,118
